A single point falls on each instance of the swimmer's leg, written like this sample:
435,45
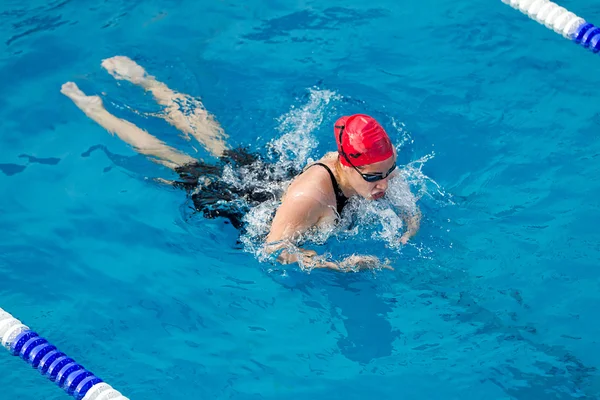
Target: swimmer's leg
198,122
141,140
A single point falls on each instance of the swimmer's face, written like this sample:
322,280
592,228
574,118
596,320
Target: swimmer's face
372,190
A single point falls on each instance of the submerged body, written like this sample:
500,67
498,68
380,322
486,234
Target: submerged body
362,166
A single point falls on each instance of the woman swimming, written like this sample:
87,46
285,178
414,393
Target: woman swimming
364,162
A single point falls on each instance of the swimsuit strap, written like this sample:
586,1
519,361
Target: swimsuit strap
340,198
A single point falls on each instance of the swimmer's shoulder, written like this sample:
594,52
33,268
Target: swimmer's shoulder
314,182
328,159
312,179
316,174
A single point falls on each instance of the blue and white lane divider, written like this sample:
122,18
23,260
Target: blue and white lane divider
77,381
561,21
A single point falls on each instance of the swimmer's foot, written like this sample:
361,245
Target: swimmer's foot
124,68
88,104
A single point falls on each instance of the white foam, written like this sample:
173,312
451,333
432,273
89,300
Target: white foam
297,141
382,219
258,222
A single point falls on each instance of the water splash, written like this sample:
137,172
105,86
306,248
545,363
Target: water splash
405,137
293,148
382,221
289,152
258,222
424,185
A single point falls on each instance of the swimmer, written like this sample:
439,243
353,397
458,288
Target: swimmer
362,166
364,162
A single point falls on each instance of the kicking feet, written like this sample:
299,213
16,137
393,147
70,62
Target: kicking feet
88,104
124,68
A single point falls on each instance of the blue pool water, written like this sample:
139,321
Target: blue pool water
494,299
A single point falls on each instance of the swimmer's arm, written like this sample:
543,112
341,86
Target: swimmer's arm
413,222
294,217
411,215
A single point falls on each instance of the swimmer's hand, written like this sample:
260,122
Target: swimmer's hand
357,263
311,260
354,263
405,238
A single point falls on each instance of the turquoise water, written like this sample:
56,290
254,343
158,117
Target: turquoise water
494,299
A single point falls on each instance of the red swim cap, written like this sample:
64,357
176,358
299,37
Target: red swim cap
364,141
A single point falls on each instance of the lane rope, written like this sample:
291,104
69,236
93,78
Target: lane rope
77,381
561,21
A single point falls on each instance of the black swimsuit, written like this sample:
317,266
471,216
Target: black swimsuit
214,197
340,198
